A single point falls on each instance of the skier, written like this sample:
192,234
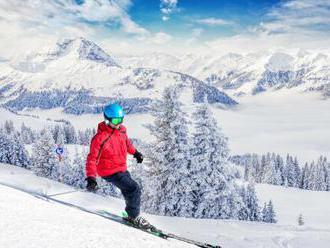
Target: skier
107,158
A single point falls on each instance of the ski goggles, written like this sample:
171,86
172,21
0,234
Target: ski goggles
115,121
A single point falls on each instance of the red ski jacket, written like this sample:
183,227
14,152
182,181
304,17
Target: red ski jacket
108,151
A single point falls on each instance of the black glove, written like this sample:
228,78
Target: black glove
91,184
138,156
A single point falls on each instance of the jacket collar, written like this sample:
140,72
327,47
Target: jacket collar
102,127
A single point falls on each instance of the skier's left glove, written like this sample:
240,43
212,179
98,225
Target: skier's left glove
138,156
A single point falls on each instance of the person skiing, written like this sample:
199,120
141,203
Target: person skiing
107,159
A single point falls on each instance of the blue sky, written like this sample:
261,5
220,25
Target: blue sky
168,25
241,13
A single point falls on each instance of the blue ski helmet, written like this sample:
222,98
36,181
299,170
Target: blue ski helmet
113,111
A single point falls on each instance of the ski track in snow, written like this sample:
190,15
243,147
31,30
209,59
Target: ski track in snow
30,222
39,223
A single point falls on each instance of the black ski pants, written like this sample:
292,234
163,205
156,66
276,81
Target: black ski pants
130,190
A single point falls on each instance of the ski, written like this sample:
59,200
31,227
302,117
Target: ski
113,217
151,230
190,241
157,232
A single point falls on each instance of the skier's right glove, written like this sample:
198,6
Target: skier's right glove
91,184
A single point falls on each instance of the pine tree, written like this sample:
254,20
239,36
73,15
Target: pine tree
60,139
305,177
312,177
297,173
77,175
4,143
251,202
292,172
320,178
268,213
264,213
70,134
12,150
26,134
272,176
167,190
279,165
301,221
211,181
261,170
21,155
44,157
9,127
327,180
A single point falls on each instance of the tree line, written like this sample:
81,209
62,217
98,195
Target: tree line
273,169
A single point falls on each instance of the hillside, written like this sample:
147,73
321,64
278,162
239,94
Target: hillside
74,227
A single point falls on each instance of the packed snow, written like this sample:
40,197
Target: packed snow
70,227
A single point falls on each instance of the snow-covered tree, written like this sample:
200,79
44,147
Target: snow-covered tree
301,221
305,175
60,137
211,181
272,173
168,189
293,173
4,143
44,159
268,213
27,135
327,178
251,209
77,175
9,127
70,134
279,165
12,150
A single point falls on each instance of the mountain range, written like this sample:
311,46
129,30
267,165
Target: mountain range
81,77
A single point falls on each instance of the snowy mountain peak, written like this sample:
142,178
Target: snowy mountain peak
65,52
84,49
280,62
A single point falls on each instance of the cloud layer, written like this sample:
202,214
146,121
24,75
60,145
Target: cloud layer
29,24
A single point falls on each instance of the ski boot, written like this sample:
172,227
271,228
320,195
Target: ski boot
139,221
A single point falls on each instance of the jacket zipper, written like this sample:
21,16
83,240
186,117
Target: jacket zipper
101,147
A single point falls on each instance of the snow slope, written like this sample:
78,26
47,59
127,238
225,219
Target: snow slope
30,222
66,227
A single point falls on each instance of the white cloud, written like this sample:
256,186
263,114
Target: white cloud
60,13
195,35
161,38
295,24
131,27
165,18
167,7
29,24
213,21
298,16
